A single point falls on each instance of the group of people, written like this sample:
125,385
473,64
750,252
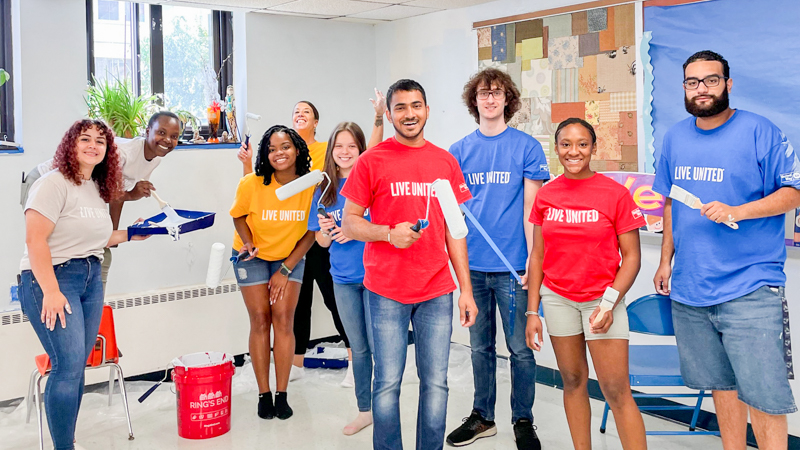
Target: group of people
573,242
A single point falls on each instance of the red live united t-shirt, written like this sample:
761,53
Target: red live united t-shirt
580,222
393,180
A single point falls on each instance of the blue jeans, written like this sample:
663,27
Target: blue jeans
351,301
738,345
493,290
68,348
432,322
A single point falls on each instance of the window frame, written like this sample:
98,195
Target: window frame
222,48
6,63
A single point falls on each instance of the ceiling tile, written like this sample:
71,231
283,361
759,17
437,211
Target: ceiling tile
327,7
445,4
393,12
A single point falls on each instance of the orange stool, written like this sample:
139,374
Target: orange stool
105,354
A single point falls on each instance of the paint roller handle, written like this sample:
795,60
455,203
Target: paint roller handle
149,391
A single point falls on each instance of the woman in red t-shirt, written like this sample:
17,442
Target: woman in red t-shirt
583,221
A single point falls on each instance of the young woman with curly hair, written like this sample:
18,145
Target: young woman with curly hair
271,240
67,227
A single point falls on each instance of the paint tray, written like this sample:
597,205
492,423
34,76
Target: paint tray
198,221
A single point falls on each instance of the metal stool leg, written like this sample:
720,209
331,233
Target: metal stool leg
110,384
696,413
29,399
605,418
37,400
124,394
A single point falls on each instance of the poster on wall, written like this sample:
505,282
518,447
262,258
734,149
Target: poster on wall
650,202
581,65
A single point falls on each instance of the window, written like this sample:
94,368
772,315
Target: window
174,52
7,90
107,10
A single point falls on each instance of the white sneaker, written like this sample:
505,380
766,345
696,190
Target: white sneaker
349,381
296,373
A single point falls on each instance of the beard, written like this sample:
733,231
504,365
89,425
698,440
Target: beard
410,137
718,105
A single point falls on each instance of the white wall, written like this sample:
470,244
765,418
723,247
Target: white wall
331,64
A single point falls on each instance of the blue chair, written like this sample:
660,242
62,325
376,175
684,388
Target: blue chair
657,365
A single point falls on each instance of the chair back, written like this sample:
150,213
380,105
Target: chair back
651,314
106,336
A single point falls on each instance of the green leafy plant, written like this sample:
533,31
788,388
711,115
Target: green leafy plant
186,118
114,102
4,76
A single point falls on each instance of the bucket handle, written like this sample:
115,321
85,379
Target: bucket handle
152,389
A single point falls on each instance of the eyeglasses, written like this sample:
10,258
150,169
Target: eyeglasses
498,94
710,82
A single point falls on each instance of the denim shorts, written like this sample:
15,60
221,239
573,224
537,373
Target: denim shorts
738,345
259,271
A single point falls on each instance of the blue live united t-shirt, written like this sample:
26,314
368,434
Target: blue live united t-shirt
347,260
494,168
745,159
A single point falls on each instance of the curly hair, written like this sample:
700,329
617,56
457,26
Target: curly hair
487,77
264,168
107,174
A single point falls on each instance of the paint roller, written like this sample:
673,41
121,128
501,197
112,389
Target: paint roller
215,261
247,117
452,214
299,185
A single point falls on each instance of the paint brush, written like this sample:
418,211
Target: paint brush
172,216
692,201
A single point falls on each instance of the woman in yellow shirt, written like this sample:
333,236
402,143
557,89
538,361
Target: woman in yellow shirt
271,242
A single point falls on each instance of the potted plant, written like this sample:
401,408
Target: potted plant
187,118
115,103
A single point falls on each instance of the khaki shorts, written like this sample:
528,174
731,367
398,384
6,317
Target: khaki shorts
565,317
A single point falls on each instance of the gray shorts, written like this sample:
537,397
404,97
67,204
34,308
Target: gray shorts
565,317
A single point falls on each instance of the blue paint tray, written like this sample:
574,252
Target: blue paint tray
199,220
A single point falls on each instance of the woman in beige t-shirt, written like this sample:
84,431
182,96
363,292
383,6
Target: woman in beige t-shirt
67,225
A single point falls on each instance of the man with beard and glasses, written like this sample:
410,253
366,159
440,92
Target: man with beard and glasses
729,309
406,271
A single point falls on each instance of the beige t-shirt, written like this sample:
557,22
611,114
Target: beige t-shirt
135,166
82,223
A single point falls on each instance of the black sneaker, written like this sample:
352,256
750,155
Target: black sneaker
473,428
525,435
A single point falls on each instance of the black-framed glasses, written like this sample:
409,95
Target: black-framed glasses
710,81
498,94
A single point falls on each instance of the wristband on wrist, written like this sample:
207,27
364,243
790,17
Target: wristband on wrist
285,270
531,313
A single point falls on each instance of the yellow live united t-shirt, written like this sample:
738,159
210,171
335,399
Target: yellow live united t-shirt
318,150
276,225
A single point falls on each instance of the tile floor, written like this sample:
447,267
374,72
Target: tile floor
321,409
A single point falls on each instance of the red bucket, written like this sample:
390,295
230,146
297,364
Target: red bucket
203,385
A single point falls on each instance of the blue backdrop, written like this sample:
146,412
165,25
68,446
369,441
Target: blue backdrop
760,40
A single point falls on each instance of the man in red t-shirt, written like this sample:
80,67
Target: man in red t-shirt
406,271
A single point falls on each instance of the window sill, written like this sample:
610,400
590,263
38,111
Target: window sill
207,146
9,150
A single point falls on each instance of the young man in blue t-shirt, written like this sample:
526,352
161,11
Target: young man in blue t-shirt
504,169
729,309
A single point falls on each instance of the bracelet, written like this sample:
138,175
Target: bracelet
531,313
389,237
